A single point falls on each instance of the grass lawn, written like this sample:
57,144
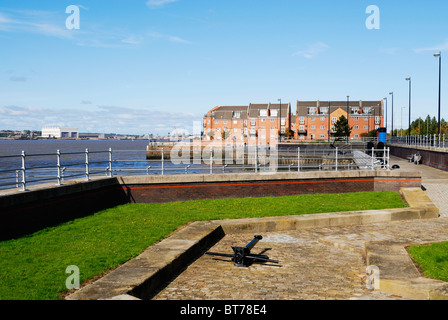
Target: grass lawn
432,259
33,267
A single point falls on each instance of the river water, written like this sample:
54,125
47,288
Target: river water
129,158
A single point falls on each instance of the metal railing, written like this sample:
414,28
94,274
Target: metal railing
27,169
426,141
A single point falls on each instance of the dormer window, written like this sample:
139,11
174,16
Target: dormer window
312,110
367,110
237,114
323,110
263,113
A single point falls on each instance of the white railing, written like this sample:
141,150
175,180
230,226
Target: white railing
27,169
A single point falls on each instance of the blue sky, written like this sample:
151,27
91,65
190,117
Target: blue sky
150,66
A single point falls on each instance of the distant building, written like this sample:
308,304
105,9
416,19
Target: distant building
254,123
60,133
312,120
316,119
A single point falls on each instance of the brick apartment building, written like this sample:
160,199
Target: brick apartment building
252,124
313,120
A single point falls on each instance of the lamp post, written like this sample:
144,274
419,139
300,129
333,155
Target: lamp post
439,55
348,102
280,122
391,93
385,124
409,79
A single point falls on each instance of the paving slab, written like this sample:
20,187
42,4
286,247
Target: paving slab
326,263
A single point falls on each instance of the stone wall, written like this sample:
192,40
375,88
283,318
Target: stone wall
48,205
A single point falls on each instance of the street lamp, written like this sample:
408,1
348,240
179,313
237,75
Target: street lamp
409,79
280,122
385,125
391,93
348,102
439,54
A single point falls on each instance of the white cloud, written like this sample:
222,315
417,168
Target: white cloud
29,21
97,119
440,47
170,38
312,50
158,3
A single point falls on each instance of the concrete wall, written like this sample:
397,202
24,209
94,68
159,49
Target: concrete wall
430,156
47,205
158,189
23,213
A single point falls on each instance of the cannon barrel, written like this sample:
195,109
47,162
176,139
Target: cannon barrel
252,244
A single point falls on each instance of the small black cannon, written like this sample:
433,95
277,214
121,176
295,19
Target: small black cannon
242,257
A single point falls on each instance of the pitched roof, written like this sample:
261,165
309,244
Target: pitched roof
302,106
228,112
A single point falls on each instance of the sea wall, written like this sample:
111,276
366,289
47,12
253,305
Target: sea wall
44,206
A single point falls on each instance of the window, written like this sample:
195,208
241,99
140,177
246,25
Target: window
354,110
366,127
217,121
356,118
322,127
334,120
245,123
323,110
367,110
312,110
302,120
274,113
272,119
377,120
272,128
283,130
237,114
263,113
263,120
252,122
322,118
313,118
366,118
225,121
313,127
208,121
235,121
235,130
322,135
356,136
356,127
282,122
302,128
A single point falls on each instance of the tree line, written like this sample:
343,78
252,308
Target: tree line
427,126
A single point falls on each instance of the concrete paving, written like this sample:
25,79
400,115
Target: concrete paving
327,260
315,264
435,182
326,263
